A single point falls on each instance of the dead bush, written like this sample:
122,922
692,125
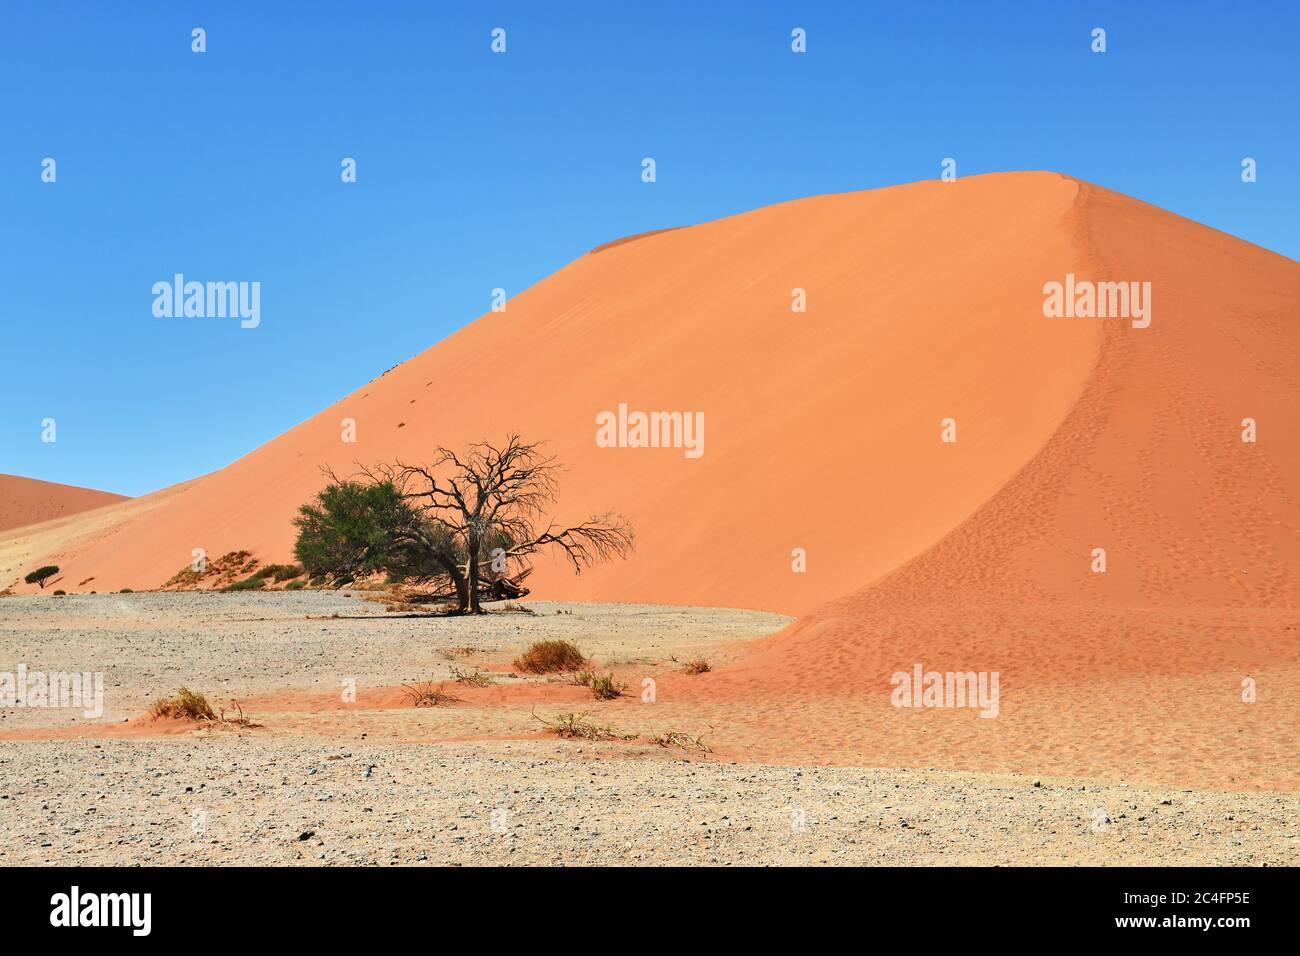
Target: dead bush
474,678
427,694
580,726
683,741
185,705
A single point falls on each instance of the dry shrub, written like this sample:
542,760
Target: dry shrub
282,572
580,726
675,738
550,657
427,694
602,688
186,705
222,570
606,688
394,598
239,720
474,678
697,666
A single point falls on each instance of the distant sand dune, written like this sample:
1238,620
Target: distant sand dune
25,501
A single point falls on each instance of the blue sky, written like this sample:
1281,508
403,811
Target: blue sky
478,171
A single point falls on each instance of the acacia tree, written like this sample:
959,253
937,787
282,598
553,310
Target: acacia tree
353,529
470,517
41,575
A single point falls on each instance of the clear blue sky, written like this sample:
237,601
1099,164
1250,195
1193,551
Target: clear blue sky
478,170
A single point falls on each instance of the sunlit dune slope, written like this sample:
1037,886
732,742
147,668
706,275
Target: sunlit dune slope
822,428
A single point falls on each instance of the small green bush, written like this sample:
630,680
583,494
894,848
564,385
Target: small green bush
248,584
278,572
606,688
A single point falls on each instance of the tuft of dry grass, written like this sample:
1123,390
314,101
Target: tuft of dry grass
580,726
185,705
427,694
474,678
239,720
513,607
550,657
683,741
697,666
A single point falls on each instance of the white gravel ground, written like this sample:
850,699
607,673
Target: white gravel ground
230,800
232,797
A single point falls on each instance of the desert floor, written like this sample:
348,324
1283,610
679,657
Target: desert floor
480,781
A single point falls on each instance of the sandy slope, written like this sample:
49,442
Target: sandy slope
25,501
822,429
1136,672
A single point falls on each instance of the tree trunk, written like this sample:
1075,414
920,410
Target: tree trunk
458,579
472,543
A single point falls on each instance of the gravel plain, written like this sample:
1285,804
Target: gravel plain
337,793
243,800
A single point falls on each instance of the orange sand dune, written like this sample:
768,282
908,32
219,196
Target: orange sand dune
821,428
1138,672
25,501
924,302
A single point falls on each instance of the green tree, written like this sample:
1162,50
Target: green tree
473,519
352,529
41,575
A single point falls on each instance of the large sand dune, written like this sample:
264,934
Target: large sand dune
822,428
924,302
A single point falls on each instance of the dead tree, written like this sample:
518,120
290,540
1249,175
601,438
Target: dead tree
491,504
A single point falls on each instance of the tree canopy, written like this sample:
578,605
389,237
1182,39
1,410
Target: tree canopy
41,575
472,520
